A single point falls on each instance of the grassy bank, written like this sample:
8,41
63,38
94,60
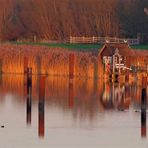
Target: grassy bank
140,47
82,47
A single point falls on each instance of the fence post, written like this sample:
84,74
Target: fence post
138,39
71,39
83,39
93,39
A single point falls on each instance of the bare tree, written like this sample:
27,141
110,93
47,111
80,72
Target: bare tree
59,19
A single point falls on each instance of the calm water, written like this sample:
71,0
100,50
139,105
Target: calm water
86,113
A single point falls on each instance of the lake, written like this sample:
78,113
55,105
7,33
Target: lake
58,113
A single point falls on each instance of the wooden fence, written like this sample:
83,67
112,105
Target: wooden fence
102,40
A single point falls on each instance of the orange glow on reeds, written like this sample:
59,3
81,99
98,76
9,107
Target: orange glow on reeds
53,61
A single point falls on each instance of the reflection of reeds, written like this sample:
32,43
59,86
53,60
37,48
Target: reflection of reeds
58,87
57,93
12,84
51,61
88,96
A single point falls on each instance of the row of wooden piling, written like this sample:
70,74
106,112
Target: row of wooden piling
41,104
28,86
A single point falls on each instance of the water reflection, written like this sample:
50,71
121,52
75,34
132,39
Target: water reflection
84,99
116,96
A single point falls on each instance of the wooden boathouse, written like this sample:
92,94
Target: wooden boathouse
116,59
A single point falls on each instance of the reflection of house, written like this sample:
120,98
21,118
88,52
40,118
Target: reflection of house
116,96
120,57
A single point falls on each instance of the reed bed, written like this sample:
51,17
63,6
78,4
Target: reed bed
46,60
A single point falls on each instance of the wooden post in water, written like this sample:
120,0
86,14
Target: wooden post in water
41,124
71,65
71,76
143,107
29,95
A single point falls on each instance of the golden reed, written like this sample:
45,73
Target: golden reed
45,60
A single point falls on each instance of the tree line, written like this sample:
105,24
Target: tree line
59,19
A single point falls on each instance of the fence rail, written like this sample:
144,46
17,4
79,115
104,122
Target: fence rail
102,40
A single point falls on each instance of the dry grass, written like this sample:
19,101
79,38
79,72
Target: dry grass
54,61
